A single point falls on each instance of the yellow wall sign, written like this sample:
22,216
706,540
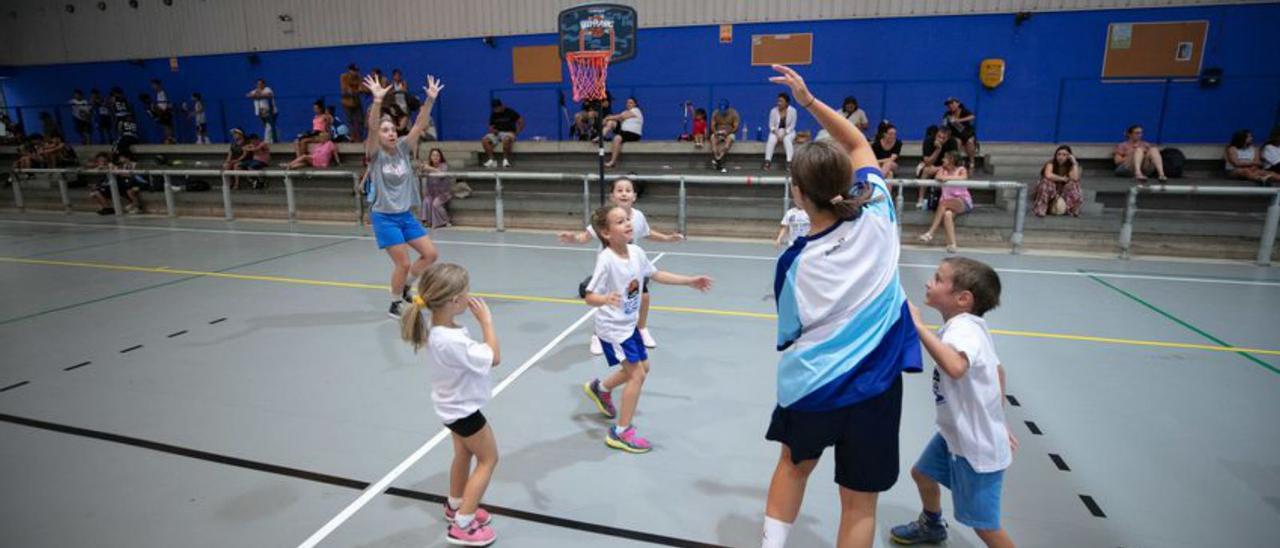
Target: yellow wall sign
991,73
726,34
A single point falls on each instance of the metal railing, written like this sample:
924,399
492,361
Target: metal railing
1267,242
499,199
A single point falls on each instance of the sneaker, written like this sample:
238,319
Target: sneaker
952,249
601,397
406,295
767,166
394,311
107,211
131,209
506,163
482,516
474,535
920,531
648,339
596,347
629,441
921,205
490,163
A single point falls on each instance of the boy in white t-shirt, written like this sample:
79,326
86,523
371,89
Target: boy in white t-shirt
973,446
621,268
795,223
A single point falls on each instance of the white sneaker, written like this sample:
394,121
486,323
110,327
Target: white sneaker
596,348
648,339
490,163
506,162
921,205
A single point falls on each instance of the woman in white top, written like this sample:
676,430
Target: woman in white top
782,127
1271,152
1242,160
631,121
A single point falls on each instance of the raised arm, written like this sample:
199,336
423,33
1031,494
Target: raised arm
840,128
375,114
420,125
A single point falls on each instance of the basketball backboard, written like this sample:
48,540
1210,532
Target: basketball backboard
599,27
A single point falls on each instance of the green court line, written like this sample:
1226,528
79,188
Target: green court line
168,283
1179,321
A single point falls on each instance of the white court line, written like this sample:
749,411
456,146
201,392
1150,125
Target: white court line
382,484
770,258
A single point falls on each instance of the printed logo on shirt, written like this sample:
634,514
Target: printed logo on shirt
394,169
633,298
938,399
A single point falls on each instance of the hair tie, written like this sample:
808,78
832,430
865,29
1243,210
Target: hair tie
417,300
839,198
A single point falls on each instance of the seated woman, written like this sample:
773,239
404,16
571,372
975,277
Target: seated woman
437,189
955,201
1137,158
57,153
323,153
1271,152
1059,178
887,148
1242,160
961,121
321,122
782,127
630,124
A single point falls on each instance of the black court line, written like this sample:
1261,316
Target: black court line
177,334
349,483
131,349
1012,400
15,385
76,366
219,320
1033,428
1057,461
1092,506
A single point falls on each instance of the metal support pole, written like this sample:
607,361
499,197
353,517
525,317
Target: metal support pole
786,196
64,193
1019,220
289,199
115,193
499,222
1126,229
1269,231
355,189
586,200
681,215
229,214
17,190
169,205
898,200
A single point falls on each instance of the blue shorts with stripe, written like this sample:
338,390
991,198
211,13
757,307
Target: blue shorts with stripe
631,350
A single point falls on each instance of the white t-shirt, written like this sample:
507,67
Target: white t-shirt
634,124
970,411
639,226
81,110
797,223
264,103
1270,155
459,372
624,276
162,100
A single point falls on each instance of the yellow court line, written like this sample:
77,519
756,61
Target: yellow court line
578,302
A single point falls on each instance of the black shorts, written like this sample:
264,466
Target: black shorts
629,137
467,426
864,434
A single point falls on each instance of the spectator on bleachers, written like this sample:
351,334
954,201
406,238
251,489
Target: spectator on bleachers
400,91
120,109
200,117
624,127
82,116
887,148
352,88
1059,180
321,124
1242,160
937,143
7,134
102,111
29,156
853,113
341,131
323,152
126,137
1271,152
504,125
955,201
162,111
724,125
99,188
129,185
699,127
58,153
264,107
436,190
257,157
398,117
584,122
961,121
235,151
782,127
48,125
1137,158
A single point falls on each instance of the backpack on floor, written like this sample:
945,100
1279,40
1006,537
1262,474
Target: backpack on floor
1174,162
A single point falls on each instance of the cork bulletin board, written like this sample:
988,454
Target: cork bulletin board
535,64
1155,50
782,49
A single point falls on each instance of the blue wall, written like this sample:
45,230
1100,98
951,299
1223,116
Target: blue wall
898,68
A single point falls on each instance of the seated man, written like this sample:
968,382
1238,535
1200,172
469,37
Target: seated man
130,186
504,125
724,124
938,141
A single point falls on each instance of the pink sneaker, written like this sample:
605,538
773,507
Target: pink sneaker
629,441
482,517
474,535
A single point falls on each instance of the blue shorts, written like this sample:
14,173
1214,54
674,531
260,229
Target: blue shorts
631,350
395,228
975,495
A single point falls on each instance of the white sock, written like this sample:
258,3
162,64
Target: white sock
464,520
775,533
619,429
455,503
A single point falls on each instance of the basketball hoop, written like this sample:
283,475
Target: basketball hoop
588,71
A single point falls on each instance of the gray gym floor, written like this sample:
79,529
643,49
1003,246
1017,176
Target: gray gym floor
203,383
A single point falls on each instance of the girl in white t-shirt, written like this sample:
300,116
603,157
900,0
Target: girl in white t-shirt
622,193
460,386
614,288
794,225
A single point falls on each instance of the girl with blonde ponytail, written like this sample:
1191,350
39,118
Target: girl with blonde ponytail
460,386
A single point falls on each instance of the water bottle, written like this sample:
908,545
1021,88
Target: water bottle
759,133
744,132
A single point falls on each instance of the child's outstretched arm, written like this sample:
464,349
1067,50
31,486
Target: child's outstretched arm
480,310
575,237
840,128
701,283
953,363
660,236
